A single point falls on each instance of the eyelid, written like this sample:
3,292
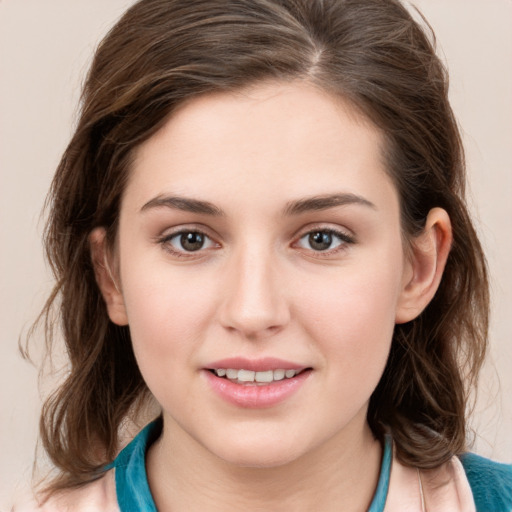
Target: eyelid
325,226
165,240
345,236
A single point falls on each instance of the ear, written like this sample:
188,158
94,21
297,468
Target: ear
107,281
425,266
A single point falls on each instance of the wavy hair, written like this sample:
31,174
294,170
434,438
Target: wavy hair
164,52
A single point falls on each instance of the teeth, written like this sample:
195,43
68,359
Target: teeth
246,375
279,374
264,376
251,376
230,374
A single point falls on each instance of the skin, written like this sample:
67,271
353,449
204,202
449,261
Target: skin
259,288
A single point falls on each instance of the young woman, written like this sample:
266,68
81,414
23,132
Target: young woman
259,224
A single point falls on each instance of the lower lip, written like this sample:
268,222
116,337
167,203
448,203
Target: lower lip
256,396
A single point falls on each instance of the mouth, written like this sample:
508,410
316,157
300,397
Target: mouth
256,378
259,383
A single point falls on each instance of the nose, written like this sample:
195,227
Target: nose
255,304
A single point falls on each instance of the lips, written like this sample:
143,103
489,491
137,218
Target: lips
255,365
244,376
256,383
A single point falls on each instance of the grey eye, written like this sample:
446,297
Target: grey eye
322,240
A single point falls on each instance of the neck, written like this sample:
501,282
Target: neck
341,474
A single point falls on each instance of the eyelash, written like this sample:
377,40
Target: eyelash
343,238
344,241
166,240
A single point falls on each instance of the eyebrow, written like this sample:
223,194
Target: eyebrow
184,204
316,203
324,202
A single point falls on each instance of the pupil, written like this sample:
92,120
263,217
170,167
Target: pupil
320,240
192,241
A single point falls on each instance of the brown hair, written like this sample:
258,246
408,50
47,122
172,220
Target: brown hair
163,52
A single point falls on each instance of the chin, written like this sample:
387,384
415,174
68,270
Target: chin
259,452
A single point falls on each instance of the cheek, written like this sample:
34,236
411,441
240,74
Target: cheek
167,326
168,316
352,319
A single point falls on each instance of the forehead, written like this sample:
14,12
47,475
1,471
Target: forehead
273,139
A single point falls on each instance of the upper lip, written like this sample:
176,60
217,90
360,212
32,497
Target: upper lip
256,365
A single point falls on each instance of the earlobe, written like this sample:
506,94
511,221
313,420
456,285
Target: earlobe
429,253
106,279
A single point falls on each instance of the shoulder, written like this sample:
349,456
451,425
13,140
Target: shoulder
97,496
491,483
124,484
443,489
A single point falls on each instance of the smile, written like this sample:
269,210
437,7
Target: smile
266,385
242,376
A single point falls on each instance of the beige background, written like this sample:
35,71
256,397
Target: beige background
45,47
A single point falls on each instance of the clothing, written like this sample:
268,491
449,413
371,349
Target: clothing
124,487
491,483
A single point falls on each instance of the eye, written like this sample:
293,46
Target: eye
322,240
188,241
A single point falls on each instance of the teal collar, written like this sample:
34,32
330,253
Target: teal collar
132,486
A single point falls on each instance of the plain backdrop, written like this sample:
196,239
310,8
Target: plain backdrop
45,48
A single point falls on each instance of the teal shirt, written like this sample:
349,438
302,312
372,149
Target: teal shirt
490,482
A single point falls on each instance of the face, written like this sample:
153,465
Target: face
261,267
